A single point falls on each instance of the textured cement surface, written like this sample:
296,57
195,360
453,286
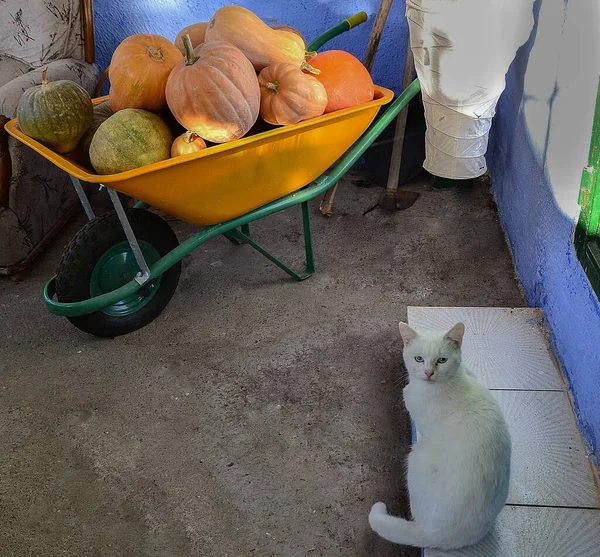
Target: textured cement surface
256,416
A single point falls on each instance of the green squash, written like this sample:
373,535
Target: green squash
55,113
102,112
130,138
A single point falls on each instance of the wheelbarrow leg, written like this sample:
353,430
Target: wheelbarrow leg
232,235
236,236
144,273
308,241
85,202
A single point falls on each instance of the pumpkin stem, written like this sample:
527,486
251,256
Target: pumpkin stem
273,86
190,137
44,79
155,53
310,55
308,68
190,57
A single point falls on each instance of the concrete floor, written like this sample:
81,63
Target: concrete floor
256,416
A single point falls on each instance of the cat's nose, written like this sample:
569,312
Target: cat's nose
429,374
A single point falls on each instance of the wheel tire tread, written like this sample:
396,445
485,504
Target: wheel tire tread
78,261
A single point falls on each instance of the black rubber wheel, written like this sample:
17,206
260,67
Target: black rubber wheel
99,260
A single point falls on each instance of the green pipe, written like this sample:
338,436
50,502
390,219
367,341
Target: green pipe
340,28
85,307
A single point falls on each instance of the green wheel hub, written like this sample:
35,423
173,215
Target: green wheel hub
117,267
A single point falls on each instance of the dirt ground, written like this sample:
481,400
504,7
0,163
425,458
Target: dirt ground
256,416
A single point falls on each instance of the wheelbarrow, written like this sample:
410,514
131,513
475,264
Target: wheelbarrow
121,269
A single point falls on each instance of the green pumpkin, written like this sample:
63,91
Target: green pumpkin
130,138
55,113
102,112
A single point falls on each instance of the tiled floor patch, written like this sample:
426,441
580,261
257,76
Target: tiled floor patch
549,463
537,532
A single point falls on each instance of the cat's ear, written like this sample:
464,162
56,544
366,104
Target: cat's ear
455,335
407,333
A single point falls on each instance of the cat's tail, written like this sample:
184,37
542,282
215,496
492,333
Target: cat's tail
398,530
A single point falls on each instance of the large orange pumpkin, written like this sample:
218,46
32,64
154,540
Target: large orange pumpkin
138,72
346,80
289,96
196,31
214,91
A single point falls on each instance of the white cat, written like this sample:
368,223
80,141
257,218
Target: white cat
458,470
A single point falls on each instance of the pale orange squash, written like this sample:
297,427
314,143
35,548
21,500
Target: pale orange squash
138,72
260,43
288,95
186,143
214,91
289,29
196,31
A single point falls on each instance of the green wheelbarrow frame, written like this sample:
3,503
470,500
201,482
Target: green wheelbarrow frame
236,230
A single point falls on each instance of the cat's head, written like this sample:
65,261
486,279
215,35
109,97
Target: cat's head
432,355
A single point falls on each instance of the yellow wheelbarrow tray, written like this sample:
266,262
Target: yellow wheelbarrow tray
122,268
225,181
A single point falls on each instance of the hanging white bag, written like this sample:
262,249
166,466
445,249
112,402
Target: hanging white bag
462,51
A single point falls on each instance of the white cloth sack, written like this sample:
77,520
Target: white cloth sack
462,51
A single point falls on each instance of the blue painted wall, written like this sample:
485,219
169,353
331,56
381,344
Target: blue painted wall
538,147
116,20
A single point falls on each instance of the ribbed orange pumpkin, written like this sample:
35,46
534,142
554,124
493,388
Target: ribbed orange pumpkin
214,91
196,31
260,43
346,80
186,143
288,95
138,72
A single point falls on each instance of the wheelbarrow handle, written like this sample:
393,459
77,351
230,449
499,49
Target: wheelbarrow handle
356,19
340,28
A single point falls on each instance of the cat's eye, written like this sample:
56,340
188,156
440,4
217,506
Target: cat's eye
442,360
419,359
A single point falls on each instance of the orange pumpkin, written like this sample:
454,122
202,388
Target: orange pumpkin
186,143
346,80
138,72
261,44
196,31
288,95
214,91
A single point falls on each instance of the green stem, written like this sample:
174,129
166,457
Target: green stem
190,57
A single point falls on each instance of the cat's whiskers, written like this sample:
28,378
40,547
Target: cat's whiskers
401,379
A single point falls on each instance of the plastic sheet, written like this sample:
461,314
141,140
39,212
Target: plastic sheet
462,51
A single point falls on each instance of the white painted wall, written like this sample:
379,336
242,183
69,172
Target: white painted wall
559,98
